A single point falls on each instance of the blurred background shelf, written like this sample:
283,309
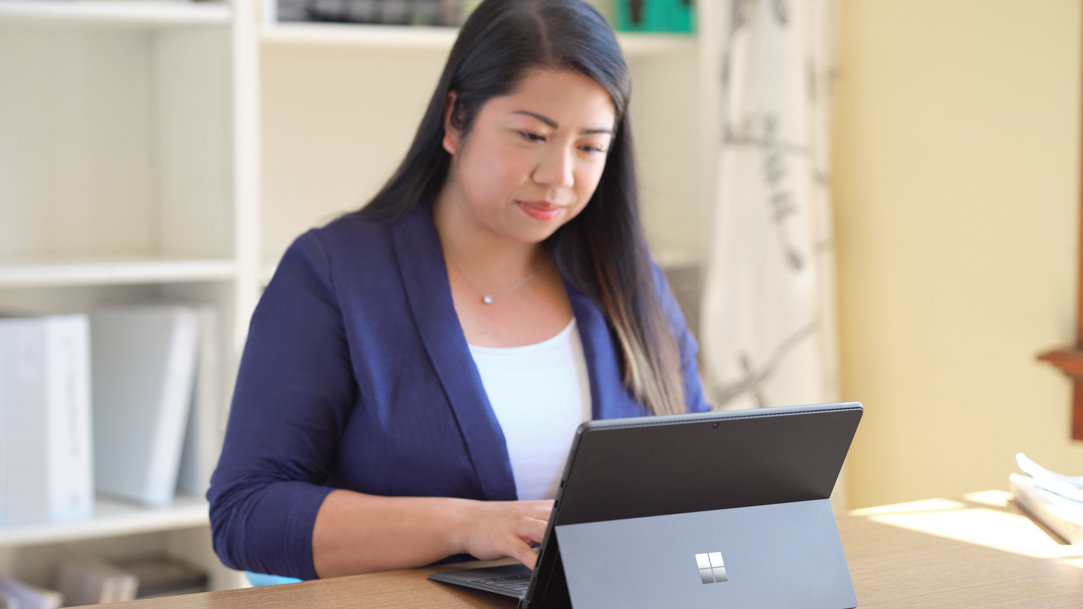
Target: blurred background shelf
403,37
115,14
111,518
373,36
83,270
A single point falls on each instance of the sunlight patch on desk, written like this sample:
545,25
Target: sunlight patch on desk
995,498
925,505
1014,532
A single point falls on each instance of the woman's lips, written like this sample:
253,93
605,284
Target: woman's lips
541,210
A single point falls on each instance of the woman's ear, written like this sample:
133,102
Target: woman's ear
452,135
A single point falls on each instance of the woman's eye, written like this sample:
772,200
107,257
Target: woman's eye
532,137
594,149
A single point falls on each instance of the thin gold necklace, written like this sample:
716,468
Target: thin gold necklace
487,298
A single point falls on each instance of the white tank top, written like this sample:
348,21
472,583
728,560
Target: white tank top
540,394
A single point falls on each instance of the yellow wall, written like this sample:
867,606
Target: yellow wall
956,169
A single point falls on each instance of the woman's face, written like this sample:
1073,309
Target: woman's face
533,158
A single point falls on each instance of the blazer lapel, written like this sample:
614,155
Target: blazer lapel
608,397
421,265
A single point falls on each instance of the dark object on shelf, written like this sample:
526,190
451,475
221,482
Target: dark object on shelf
164,575
387,12
89,580
675,16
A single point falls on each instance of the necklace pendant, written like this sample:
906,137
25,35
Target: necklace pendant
487,299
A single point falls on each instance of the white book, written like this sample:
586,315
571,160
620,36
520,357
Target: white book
143,362
1060,515
204,435
1068,487
45,430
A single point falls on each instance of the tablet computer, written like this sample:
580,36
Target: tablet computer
717,509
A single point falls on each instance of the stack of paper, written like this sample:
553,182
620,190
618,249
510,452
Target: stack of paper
1053,499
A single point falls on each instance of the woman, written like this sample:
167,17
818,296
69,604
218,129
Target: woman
415,371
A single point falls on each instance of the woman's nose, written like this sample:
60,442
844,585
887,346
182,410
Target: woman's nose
556,169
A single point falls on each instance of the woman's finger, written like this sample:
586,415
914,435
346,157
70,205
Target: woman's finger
534,531
525,554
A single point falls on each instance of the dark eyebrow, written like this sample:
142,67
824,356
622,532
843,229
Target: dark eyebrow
555,125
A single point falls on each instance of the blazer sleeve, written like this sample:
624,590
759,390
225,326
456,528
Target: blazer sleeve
293,389
689,349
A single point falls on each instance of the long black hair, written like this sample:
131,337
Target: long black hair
602,251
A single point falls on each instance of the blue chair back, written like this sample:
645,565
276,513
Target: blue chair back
263,579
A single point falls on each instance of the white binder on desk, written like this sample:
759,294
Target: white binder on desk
143,361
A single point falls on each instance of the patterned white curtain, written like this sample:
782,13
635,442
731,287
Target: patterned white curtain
769,327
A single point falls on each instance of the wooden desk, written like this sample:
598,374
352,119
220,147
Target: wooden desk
980,553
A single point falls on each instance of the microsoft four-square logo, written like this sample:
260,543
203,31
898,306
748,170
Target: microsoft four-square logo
711,568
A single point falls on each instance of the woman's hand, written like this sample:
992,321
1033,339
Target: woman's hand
359,533
498,529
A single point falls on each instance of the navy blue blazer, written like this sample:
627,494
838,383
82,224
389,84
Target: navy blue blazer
356,375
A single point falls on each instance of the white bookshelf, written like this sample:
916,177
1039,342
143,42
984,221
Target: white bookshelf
128,172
